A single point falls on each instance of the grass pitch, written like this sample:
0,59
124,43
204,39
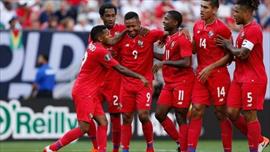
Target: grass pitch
136,146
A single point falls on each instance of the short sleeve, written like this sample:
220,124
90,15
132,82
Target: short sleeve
105,58
156,34
185,47
225,32
251,38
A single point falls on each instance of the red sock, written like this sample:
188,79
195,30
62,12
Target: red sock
194,132
169,127
253,134
92,134
116,132
126,136
148,134
102,138
226,134
67,138
241,124
183,137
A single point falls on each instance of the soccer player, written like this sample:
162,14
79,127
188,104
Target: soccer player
86,93
137,54
178,76
248,88
111,87
212,77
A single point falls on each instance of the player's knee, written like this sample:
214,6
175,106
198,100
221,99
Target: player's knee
197,112
220,114
84,128
144,117
232,114
127,119
160,116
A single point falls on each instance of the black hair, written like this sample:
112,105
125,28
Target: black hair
249,4
106,6
214,3
131,15
176,16
96,31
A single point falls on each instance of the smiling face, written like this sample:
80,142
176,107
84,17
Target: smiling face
239,14
133,26
169,23
207,10
109,17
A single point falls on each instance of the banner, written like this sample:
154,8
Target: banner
65,51
50,119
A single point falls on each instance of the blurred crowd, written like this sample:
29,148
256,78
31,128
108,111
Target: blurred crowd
82,15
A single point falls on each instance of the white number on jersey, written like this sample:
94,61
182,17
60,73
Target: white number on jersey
148,96
135,54
84,58
203,42
167,54
115,100
221,91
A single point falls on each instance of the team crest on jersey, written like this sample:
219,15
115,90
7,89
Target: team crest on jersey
91,47
108,57
210,33
127,45
198,32
172,44
140,43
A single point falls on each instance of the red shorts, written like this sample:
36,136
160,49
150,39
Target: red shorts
248,96
135,97
214,90
110,91
176,95
87,107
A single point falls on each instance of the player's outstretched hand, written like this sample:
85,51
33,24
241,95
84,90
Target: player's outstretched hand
144,81
156,67
221,41
204,74
143,31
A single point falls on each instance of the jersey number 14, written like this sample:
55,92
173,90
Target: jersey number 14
202,43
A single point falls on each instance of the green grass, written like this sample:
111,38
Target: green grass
136,146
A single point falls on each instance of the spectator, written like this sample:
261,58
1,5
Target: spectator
7,13
53,23
45,79
63,12
67,24
163,7
46,14
83,24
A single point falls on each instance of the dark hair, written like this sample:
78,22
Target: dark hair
106,6
176,16
96,31
45,56
214,3
249,4
131,15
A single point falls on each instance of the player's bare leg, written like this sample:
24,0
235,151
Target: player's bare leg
181,118
102,132
226,127
68,137
126,130
167,123
144,117
195,126
116,130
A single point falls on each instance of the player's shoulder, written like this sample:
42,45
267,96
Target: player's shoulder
221,24
119,27
199,23
95,47
253,27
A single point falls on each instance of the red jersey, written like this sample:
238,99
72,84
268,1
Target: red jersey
176,48
112,74
94,67
251,69
137,54
204,37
